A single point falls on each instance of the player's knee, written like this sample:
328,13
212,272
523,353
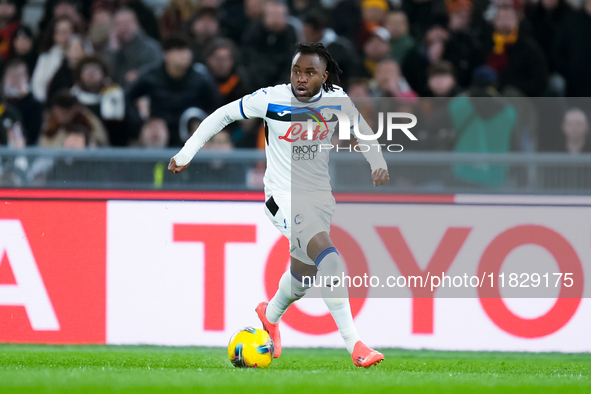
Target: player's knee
302,269
317,244
329,262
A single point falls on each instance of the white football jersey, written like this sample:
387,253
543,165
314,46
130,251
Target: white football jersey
296,163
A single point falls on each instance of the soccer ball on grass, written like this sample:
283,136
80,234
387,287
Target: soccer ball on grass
251,347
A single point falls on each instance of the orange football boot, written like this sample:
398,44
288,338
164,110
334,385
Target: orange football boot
364,356
272,329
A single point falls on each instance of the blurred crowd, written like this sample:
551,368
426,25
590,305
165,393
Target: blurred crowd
125,73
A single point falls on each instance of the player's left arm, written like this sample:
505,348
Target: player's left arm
250,106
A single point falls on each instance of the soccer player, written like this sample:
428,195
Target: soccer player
305,221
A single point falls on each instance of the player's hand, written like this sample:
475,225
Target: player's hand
172,167
380,177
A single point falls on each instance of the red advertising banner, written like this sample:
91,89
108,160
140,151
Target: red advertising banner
187,269
52,271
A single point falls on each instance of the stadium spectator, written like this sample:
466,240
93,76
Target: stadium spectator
17,91
53,49
358,88
232,17
572,51
359,92
346,19
56,9
375,50
8,25
423,15
19,5
419,59
64,76
254,9
268,46
176,15
15,138
373,13
231,80
389,81
65,111
13,171
190,120
154,134
436,132
101,23
575,127
174,86
129,49
204,28
24,46
401,41
517,59
545,17
459,14
300,8
145,17
341,49
484,83
106,100
441,80
11,129
77,136
462,48
66,169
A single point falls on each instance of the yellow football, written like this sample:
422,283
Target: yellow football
251,347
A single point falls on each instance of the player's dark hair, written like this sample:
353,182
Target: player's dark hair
316,48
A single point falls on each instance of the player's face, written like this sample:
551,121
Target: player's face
308,73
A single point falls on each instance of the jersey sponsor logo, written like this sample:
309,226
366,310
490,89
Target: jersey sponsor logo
304,152
296,133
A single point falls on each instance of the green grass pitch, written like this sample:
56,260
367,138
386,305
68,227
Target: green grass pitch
150,369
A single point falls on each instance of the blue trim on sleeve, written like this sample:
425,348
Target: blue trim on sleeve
323,254
242,110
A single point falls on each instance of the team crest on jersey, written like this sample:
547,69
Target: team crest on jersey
299,218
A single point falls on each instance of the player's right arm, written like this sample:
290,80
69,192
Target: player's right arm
251,106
